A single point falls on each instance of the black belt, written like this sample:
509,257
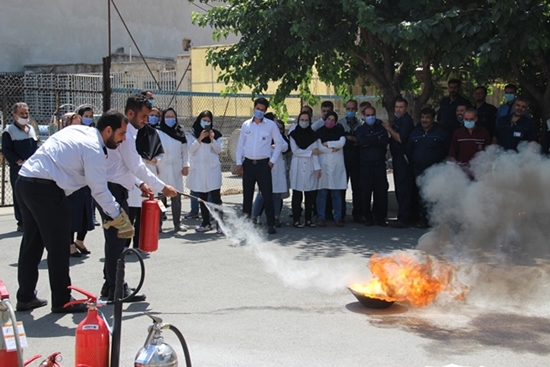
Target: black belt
41,181
256,161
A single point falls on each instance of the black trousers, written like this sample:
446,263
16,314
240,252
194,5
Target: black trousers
353,173
404,181
114,246
297,197
216,199
135,219
374,183
258,173
14,173
47,225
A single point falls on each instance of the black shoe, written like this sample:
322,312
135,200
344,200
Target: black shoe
357,220
423,224
278,223
398,224
77,308
105,290
369,222
19,228
381,223
271,230
35,303
138,297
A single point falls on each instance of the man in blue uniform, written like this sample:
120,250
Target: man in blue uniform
19,142
402,172
486,113
512,129
446,115
373,139
428,145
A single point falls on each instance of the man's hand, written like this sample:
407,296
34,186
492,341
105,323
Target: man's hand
123,224
325,144
239,169
319,173
145,190
386,125
185,171
169,191
270,164
315,151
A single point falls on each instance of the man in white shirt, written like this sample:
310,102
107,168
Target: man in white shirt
69,160
255,158
125,168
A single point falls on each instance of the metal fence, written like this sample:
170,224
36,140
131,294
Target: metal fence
49,96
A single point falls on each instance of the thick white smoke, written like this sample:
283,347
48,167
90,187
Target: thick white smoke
496,227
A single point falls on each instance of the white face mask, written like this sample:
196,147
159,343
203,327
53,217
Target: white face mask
22,121
303,124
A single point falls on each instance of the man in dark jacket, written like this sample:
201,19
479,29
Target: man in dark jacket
446,115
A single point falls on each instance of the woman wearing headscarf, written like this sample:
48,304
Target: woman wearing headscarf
305,169
149,147
205,170
175,162
331,157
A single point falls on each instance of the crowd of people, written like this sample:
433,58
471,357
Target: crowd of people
112,165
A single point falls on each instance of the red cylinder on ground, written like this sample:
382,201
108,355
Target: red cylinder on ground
149,225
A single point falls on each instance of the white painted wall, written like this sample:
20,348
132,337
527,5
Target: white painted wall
75,31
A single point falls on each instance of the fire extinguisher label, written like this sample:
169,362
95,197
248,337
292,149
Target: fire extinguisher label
161,206
9,336
90,327
145,355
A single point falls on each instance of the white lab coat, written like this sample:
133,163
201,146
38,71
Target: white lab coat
134,195
303,166
332,165
175,158
278,172
205,170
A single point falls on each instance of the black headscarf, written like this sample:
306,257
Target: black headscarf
197,128
176,132
304,137
335,133
148,142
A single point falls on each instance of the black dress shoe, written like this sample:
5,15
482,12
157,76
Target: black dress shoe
398,224
382,223
105,290
271,230
369,222
19,228
35,303
77,308
138,297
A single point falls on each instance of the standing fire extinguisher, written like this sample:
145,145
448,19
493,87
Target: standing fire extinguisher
149,225
92,334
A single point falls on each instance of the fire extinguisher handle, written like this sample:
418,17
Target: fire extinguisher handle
90,297
151,195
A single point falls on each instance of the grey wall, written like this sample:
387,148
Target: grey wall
75,31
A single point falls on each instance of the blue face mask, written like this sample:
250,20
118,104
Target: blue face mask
152,101
259,114
205,123
370,120
350,114
170,122
469,124
87,121
153,120
509,97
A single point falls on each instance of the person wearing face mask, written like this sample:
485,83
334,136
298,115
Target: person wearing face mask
19,142
175,162
87,114
402,171
351,160
468,140
154,117
150,96
205,170
515,128
255,158
331,159
507,108
373,141
305,169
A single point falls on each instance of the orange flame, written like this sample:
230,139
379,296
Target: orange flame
407,276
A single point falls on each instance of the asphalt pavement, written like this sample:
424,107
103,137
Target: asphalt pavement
249,299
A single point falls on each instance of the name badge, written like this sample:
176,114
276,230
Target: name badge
517,134
247,132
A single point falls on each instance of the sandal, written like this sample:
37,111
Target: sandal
298,225
82,248
310,224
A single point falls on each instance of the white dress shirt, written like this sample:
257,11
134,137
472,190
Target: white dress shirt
125,166
255,141
74,157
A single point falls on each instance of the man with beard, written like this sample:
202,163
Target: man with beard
125,168
446,115
512,129
69,160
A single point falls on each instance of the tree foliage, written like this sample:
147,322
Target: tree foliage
396,45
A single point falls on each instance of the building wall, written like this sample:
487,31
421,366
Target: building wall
75,31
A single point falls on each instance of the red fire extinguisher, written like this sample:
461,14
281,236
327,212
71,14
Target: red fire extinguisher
92,334
150,222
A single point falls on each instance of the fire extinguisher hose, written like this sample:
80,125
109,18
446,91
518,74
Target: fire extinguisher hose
183,344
